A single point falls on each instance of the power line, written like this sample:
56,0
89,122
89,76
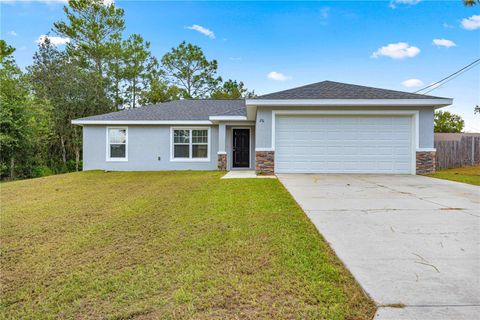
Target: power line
449,76
454,75
457,75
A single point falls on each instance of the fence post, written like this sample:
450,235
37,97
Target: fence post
473,151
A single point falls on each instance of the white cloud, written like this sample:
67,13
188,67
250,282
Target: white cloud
444,43
400,50
12,33
207,32
277,76
235,58
393,4
412,83
56,41
324,15
471,23
447,26
325,12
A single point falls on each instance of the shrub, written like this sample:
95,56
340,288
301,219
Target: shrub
41,171
71,166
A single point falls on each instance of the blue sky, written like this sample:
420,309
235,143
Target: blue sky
272,46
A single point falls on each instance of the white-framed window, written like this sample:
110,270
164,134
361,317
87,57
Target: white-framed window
117,143
190,144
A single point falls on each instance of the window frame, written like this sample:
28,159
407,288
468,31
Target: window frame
190,144
108,149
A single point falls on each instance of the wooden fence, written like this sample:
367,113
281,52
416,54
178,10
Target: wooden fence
457,150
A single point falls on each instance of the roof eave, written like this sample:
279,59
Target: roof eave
141,122
227,118
437,103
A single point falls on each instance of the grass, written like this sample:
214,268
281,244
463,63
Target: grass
164,245
470,174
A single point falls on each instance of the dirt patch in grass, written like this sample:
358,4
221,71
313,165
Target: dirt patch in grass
165,245
470,175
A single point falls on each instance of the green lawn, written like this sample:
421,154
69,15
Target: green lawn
164,245
469,175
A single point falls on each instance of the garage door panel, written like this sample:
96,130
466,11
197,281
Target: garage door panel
387,166
384,151
356,144
350,150
362,136
401,151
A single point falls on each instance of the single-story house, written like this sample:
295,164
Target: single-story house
325,127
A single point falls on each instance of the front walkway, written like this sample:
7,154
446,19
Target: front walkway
408,240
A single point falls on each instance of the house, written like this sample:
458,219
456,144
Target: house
325,127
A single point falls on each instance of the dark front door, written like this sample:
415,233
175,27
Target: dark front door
241,148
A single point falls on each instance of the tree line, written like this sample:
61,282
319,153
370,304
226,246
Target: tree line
98,71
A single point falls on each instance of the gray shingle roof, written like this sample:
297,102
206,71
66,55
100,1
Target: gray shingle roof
337,90
203,109
178,110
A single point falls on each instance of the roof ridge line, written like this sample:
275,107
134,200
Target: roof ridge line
328,89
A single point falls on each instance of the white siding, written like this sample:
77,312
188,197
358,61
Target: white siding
148,149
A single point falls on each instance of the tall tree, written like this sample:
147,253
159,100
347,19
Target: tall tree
448,122
116,73
188,69
157,89
15,114
93,29
138,63
6,52
69,91
232,89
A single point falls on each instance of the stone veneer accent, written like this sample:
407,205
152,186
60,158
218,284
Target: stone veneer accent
265,162
425,162
222,161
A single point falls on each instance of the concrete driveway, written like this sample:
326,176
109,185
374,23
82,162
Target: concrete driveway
408,240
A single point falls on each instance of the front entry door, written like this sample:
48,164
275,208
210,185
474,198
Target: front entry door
241,148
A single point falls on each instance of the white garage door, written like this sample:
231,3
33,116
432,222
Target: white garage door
343,144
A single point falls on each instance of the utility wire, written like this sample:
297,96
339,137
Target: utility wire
457,75
449,77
